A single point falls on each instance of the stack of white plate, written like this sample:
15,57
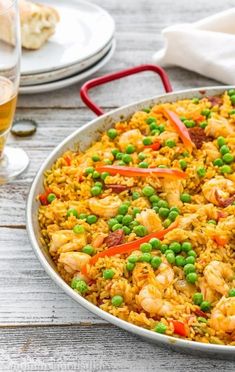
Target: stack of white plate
83,43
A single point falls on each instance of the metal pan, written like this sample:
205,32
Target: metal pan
83,138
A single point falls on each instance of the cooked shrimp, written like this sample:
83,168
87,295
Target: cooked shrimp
150,219
223,315
133,137
216,274
208,293
211,151
219,126
150,299
173,189
165,275
143,273
98,240
66,241
218,188
107,207
74,261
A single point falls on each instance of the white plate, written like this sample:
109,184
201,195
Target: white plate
84,29
47,77
41,88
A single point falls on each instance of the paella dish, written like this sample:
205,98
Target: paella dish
142,223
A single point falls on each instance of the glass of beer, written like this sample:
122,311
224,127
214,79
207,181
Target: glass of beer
13,161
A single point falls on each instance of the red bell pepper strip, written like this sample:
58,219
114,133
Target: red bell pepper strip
179,328
155,146
180,128
199,312
130,246
141,172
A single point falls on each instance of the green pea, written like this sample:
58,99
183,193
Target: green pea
130,266
221,141
127,219
180,260
135,195
147,141
189,123
118,226
190,260
78,229
143,164
155,132
212,222
218,162
201,319
99,184
154,199
175,247
151,120
123,209
183,118
164,248
163,212
206,112
191,278
156,262
108,274
95,157
186,246
183,164
104,175
127,158
197,298
161,127
146,109
162,204
203,124
175,209
189,268
228,158
224,150
231,293
145,247
119,218
72,212
232,98
91,219
80,285
155,243
205,306
146,257
135,211
82,216
141,156
170,257
140,230
201,171
126,230
119,156
112,133
133,259
185,198
225,169
167,223
51,197
117,300
153,126
232,112
88,249
95,174
195,100
96,190
115,152
173,215
112,222
160,328
108,162
148,191
192,253
170,143
155,208
231,92
89,170
130,149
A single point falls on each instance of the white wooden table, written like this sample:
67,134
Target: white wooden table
41,328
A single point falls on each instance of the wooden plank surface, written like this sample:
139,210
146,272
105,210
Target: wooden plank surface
41,328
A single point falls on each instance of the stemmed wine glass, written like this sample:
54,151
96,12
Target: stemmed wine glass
13,161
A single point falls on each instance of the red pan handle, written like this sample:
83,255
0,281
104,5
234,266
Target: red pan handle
118,75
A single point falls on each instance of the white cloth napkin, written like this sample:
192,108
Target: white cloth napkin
206,47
